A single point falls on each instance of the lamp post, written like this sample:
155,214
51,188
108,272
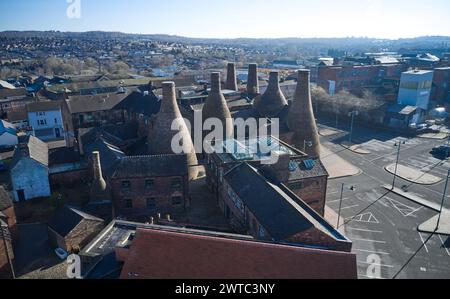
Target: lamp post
352,188
443,199
352,114
399,146
6,236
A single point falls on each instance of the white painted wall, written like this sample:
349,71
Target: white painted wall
32,177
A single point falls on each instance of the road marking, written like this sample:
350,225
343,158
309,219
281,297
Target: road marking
367,240
403,209
365,230
443,244
349,207
375,252
374,264
410,214
371,277
423,242
365,218
337,200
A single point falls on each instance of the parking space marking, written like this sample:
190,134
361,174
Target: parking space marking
423,242
365,230
349,207
374,264
368,240
443,244
374,252
338,200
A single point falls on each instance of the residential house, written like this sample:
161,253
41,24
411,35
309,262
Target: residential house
30,170
8,135
50,120
71,229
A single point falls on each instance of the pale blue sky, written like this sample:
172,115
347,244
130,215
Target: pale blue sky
236,18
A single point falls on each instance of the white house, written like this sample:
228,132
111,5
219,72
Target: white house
415,89
51,120
8,134
30,170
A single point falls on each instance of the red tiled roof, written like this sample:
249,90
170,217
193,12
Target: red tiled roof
170,255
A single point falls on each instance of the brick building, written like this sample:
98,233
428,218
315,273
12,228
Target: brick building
279,215
143,186
355,78
8,233
305,176
71,229
130,250
441,85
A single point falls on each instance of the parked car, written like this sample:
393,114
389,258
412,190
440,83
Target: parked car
61,253
441,151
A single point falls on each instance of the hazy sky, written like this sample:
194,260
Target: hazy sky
236,18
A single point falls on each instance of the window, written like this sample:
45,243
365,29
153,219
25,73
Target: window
177,200
126,186
56,121
176,183
128,204
149,184
151,203
262,232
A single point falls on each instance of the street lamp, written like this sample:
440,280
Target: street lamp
399,146
352,114
443,199
352,188
5,235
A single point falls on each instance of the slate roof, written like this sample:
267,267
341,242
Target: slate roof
63,155
137,102
275,209
44,106
151,166
302,172
6,127
67,218
5,199
92,103
38,151
110,155
10,93
159,254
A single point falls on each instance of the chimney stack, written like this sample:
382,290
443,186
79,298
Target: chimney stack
301,118
98,190
252,80
216,107
272,102
160,137
231,77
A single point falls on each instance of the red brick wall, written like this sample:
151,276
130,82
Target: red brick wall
12,222
313,191
317,237
5,270
162,192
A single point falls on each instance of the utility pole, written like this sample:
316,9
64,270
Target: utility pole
352,115
399,146
340,205
6,236
443,199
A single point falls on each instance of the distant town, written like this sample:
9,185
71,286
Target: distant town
354,185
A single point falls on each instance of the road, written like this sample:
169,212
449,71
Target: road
383,225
